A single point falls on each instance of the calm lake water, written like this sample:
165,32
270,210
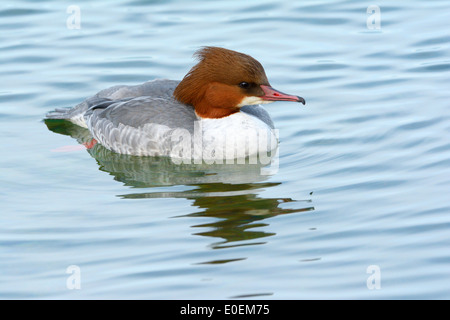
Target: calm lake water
357,208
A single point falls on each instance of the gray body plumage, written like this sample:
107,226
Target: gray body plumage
140,119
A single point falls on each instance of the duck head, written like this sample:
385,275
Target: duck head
223,81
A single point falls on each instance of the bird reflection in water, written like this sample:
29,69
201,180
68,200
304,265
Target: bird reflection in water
229,193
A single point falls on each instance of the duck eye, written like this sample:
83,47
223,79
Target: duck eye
244,85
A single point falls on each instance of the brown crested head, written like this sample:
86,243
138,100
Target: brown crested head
223,81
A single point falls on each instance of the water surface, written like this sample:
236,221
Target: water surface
363,175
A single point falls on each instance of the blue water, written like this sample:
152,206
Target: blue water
362,183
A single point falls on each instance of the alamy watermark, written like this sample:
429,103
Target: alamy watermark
374,280
74,20
373,21
74,280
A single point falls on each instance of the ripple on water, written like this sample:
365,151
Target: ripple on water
15,12
432,67
432,41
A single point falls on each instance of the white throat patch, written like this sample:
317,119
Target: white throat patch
247,101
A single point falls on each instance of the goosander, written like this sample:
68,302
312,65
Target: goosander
213,112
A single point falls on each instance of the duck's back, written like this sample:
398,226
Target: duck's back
159,88
140,119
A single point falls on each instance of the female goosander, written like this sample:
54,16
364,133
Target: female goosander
212,113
